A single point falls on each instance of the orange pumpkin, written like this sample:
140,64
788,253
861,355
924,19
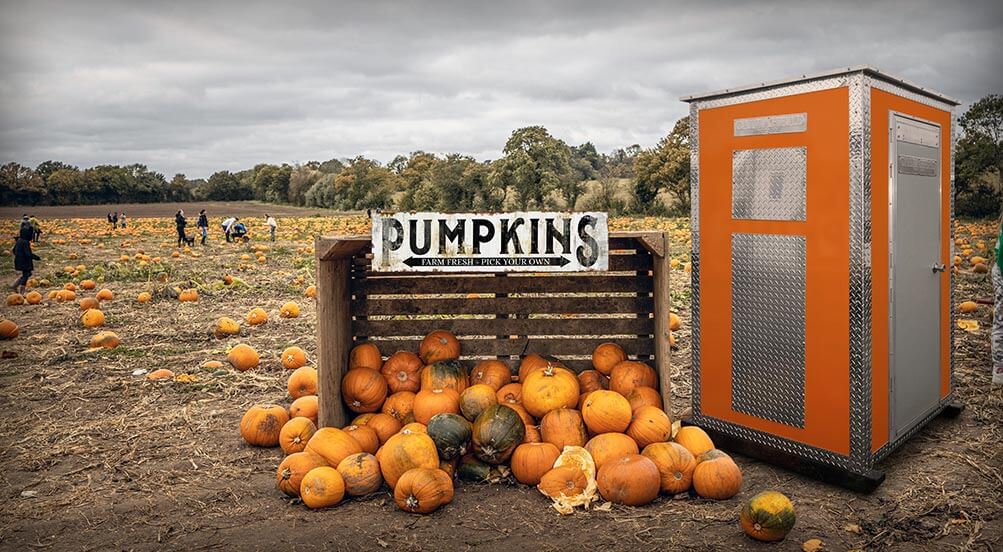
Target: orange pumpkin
563,427
650,425
606,412
257,316
532,362
364,389
632,480
361,473
93,318
429,402
606,356
423,490
526,417
675,466
293,469
105,295
644,396
494,373
531,461
416,427
402,372
188,295
33,298
105,340
400,405
144,297
262,424
548,389
630,374
439,345
293,358
365,355
384,425
694,439
566,481
716,476
86,303
322,487
532,435
289,310
405,451
224,327
302,382
365,436
592,380
243,357
333,445
306,406
363,419
295,434
88,284
476,399
609,447
510,394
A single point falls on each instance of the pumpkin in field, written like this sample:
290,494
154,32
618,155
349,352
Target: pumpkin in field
767,517
448,374
361,473
86,303
295,434
563,481
262,423
333,445
8,329
302,382
476,399
384,425
105,340
366,436
606,412
563,427
429,402
608,447
306,406
451,434
632,480
365,355
293,469
65,295
257,316
469,468
92,318
160,374
322,487
293,358
530,461
188,296
493,373
310,291
694,439
674,322
675,466
243,357
144,297
88,284
439,345
400,405
33,298
403,372
606,356
15,299
105,295
592,380
644,396
716,476
650,425
405,451
289,310
510,394
533,362
363,389
423,490
630,374
225,327
496,433
968,306
548,389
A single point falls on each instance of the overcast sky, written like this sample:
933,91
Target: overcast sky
204,86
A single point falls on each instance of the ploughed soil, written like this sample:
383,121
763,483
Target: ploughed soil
93,457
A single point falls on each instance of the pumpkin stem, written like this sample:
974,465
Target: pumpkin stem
411,502
549,370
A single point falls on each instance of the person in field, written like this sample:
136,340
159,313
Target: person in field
227,225
270,221
121,220
238,231
179,223
24,258
36,228
203,225
114,220
109,220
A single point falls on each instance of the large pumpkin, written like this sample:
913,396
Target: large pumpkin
675,466
510,393
92,318
716,476
767,517
293,358
8,329
609,447
262,424
364,389
445,374
403,372
606,356
694,439
365,355
496,433
476,399
423,490
563,427
384,425
295,434
361,473
302,382
333,445
644,396
650,425
533,362
632,480
530,461
494,373
630,374
592,380
451,434
243,357
606,412
365,436
549,388
322,487
429,402
439,345
306,406
404,451
400,405
292,470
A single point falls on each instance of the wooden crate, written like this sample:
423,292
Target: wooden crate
499,316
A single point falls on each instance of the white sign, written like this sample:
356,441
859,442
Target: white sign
498,242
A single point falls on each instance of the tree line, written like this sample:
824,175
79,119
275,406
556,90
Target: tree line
536,171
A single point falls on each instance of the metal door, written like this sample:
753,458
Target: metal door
916,271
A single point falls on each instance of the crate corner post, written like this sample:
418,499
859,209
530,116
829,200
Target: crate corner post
334,320
657,243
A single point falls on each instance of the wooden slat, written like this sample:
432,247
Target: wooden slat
333,338
628,262
505,305
506,326
413,285
511,347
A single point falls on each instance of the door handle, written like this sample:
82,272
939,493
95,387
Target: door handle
938,267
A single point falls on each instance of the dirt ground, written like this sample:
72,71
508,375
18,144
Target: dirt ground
93,457
166,210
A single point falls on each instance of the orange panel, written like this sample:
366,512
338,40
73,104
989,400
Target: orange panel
826,230
882,103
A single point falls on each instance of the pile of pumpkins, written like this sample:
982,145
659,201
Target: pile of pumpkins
423,421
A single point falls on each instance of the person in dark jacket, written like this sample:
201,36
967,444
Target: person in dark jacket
180,222
203,225
24,259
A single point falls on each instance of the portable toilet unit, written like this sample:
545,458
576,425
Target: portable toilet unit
822,246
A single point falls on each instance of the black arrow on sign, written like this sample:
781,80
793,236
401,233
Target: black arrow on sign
486,261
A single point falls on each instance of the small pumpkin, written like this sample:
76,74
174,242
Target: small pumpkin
361,473
293,358
289,310
225,327
293,469
451,434
606,356
632,480
476,399
92,318
496,433
105,340
144,297
405,451
365,436
439,345
716,476
493,373
675,466
470,468
650,425
243,357
295,434
364,389
563,481
88,284
403,372
262,424
33,298
694,439
549,388
257,316
592,380
333,445
365,355
322,487
630,374
400,405
445,374
86,303
8,329
385,425
105,295
416,427
968,306
606,412
302,382
563,427
188,295
423,490
510,393
530,461
429,402
306,406
644,396
609,447
768,516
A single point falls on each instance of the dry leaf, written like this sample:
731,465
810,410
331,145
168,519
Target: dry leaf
604,507
812,545
970,326
852,528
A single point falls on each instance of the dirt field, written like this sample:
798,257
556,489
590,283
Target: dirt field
166,210
93,457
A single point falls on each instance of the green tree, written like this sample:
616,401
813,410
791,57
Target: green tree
46,168
415,179
66,186
20,185
226,186
534,165
665,167
364,184
978,158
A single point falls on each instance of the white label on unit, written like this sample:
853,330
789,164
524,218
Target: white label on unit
773,124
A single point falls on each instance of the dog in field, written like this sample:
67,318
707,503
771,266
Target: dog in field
190,240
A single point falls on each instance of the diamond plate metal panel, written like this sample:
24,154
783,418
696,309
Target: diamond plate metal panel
768,326
909,95
695,256
769,184
826,83
770,124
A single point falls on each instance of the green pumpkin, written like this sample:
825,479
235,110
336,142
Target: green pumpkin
472,469
767,517
497,431
444,374
451,433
